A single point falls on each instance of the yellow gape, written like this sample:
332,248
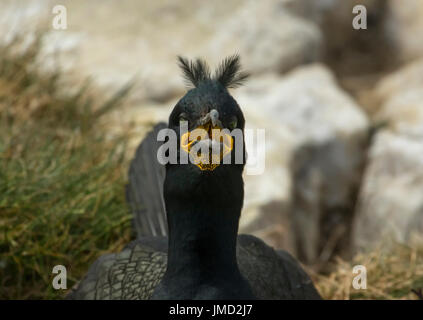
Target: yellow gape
215,145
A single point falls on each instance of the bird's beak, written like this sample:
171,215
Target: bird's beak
208,143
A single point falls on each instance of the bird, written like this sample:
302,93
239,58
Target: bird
186,214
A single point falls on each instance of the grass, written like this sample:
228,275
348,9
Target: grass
61,177
392,275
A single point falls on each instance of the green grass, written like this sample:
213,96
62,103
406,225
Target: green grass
61,177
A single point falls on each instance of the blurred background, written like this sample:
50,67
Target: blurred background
342,109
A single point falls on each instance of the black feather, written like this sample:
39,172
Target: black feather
194,72
228,73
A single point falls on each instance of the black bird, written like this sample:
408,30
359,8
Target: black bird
198,205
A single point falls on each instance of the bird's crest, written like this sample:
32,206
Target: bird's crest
228,72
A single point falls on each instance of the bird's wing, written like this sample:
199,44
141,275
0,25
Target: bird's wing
144,192
273,274
131,274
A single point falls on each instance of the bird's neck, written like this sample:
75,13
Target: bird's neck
203,215
202,238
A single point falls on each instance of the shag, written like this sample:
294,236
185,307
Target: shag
186,215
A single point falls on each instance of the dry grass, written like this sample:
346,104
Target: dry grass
390,275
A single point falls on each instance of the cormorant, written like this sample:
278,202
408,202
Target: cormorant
199,206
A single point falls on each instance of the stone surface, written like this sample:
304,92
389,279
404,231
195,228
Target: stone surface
124,39
391,198
404,24
400,97
268,37
315,138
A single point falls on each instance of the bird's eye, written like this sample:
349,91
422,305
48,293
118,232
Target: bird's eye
233,123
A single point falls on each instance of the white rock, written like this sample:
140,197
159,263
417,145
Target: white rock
117,41
315,136
404,24
401,98
268,37
391,198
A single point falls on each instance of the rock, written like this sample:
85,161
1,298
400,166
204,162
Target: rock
404,24
315,136
330,10
391,198
399,96
350,52
268,37
390,39
116,42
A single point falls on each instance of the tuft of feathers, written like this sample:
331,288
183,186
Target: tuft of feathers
194,71
228,72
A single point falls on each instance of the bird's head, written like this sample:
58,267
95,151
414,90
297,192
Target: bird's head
208,122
